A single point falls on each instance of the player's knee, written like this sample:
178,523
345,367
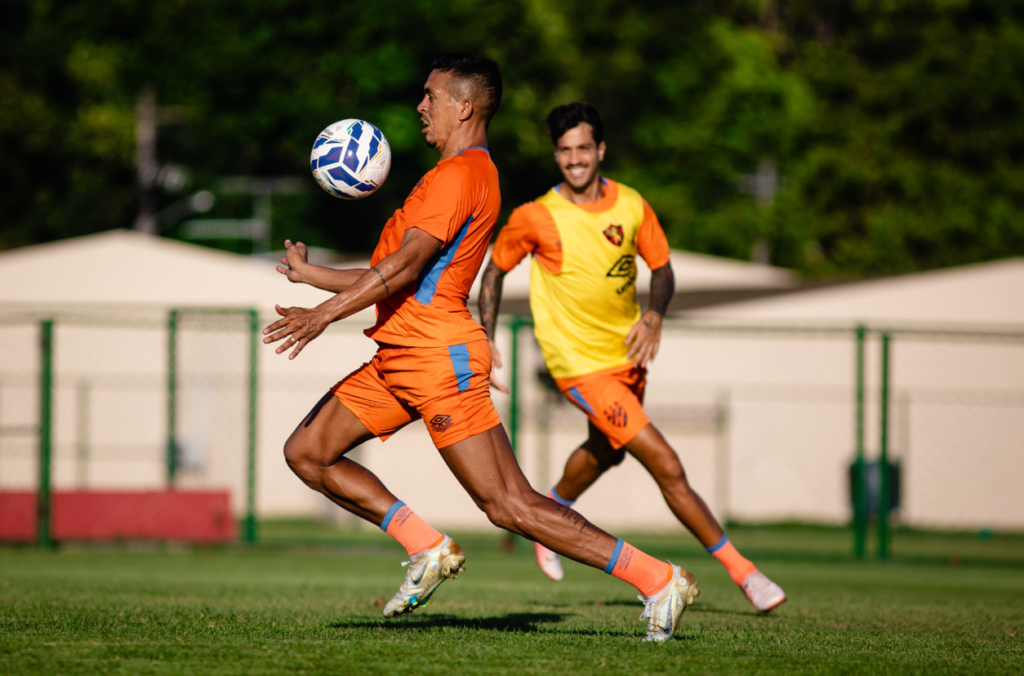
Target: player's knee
511,512
671,473
498,514
297,455
606,456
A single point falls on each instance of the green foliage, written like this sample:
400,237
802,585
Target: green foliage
894,126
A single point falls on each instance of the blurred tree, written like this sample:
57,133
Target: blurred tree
893,126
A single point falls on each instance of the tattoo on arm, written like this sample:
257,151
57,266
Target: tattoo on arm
577,519
382,280
490,298
663,286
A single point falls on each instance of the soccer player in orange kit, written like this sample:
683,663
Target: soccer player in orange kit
584,235
433,362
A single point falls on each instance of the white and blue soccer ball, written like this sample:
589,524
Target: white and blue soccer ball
350,159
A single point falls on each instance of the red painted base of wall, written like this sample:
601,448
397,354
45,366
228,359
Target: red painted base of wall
193,516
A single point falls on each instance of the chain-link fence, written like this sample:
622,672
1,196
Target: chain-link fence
796,424
125,426
774,424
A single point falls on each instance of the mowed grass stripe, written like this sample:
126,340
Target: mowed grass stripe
318,611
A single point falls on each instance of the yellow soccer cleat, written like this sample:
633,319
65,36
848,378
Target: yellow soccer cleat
426,571
665,608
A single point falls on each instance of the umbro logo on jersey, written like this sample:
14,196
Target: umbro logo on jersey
439,423
613,233
624,267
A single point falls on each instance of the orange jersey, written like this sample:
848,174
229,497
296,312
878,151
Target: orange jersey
457,202
583,273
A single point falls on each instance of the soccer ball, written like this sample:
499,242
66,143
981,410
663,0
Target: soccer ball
350,159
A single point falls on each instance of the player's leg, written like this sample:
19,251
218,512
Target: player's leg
315,452
585,466
486,467
662,462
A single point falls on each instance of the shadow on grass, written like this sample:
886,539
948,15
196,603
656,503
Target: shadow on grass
513,622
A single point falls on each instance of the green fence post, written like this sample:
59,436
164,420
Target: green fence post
857,485
513,385
250,516
44,501
883,457
172,397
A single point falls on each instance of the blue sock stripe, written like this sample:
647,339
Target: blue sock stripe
559,499
615,557
721,543
390,515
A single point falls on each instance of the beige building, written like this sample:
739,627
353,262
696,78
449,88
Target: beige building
762,417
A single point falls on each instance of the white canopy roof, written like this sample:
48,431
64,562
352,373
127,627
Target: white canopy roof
988,293
127,268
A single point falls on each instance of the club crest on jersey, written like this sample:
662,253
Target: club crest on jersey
613,233
624,267
439,423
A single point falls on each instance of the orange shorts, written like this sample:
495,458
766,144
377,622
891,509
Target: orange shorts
449,387
612,399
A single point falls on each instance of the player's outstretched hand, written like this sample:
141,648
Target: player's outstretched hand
295,259
644,339
495,365
298,325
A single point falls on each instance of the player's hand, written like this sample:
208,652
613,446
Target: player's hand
298,327
296,258
644,339
495,365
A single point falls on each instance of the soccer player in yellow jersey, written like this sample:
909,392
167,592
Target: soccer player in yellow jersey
584,235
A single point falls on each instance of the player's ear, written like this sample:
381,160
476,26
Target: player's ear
465,109
600,151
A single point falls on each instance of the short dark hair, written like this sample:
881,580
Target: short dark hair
570,116
476,70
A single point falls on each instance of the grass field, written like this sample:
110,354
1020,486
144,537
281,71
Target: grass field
315,608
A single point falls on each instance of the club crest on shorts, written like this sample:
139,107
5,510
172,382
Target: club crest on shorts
616,415
613,233
439,423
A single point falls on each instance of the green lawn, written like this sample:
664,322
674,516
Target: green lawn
316,609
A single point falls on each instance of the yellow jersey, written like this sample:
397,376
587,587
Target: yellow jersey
583,273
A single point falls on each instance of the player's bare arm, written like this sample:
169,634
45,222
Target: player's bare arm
645,336
490,303
301,325
297,268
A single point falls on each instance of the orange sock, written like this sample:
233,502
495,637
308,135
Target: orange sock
644,572
733,561
412,532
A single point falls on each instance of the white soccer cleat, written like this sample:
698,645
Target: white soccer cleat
427,570
762,592
549,561
665,608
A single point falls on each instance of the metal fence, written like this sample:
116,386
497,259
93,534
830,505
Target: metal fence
892,430
887,431
94,402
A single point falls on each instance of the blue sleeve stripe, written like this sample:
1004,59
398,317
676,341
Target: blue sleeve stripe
721,543
431,273
559,499
615,557
574,392
390,515
459,355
